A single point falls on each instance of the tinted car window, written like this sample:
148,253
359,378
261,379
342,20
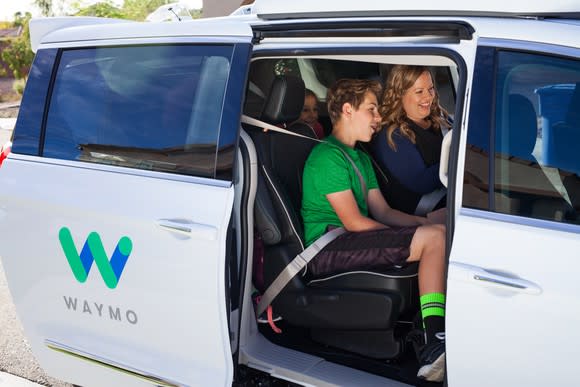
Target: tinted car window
27,131
535,133
148,107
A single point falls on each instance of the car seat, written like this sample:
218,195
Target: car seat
526,179
355,311
564,138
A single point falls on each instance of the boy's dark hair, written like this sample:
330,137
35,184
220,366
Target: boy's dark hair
349,91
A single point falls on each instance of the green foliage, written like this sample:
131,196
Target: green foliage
18,86
196,13
45,7
102,9
131,9
21,20
18,57
139,9
18,54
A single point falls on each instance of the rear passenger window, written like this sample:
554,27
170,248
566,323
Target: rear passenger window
535,133
149,107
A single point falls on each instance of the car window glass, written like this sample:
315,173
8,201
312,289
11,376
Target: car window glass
147,107
535,137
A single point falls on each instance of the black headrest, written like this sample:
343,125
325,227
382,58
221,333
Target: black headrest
285,100
523,127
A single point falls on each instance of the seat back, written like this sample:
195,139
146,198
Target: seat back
281,159
332,305
562,147
520,138
517,169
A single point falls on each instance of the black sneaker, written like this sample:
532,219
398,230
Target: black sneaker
432,360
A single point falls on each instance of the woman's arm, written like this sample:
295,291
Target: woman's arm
406,164
382,212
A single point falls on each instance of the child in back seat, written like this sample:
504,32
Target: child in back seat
309,113
333,196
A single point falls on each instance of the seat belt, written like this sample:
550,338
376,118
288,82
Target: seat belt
255,122
301,260
294,267
429,201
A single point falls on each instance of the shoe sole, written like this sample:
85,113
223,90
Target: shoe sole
435,371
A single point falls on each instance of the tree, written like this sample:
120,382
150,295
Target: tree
139,9
45,7
102,9
18,54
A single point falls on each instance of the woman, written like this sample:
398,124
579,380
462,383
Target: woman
409,145
338,194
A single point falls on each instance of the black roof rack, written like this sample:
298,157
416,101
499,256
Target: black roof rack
455,30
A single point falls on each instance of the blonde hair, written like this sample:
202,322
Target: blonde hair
402,78
351,91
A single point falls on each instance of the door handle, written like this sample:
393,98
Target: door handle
189,228
496,279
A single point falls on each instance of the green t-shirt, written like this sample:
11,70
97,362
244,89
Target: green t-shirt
327,170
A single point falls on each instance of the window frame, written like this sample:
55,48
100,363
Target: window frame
228,130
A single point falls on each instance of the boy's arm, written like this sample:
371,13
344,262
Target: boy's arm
382,212
344,204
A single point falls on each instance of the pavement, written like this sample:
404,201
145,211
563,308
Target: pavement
7,380
18,367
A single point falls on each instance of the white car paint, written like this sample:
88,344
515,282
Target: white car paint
169,278
511,281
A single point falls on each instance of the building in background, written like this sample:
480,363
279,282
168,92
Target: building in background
212,8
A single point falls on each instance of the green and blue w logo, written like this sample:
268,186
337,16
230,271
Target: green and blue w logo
93,250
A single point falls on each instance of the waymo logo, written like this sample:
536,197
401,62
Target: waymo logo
93,250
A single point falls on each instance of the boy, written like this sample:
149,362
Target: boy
377,235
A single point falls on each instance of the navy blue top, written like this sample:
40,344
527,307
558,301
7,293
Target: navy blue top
415,166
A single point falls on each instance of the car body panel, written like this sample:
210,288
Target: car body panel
169,277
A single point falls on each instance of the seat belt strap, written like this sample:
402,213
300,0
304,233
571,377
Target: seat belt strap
252,121
301,260
294,267
429,201
361,179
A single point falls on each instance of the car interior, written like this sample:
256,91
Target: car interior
368,320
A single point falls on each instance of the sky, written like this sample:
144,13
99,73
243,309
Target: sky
9,7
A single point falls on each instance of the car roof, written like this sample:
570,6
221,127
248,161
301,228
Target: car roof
275,9
82,29
79,30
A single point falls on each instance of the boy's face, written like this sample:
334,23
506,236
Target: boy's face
366,118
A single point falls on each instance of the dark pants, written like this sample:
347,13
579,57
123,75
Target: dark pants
367,250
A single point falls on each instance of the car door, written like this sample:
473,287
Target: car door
512,280
116,205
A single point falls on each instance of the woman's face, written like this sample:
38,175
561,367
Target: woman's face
418,98
310,110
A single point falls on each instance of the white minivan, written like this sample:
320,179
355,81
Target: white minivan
141,208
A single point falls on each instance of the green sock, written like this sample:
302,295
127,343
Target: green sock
433,312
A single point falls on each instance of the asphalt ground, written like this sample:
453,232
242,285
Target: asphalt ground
18,367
